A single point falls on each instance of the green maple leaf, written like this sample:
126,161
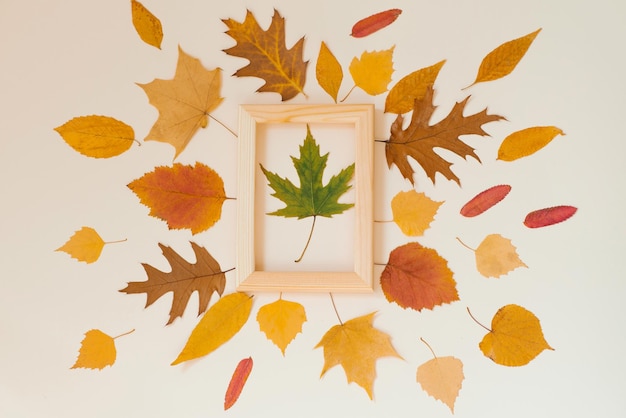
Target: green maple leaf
312,198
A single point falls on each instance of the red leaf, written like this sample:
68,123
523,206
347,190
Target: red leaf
549,216
237,382
374,23
485,200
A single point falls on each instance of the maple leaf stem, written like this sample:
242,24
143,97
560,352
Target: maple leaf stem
126,333
465,245
308,240
429,347
346,96
335,308
475,320
225,127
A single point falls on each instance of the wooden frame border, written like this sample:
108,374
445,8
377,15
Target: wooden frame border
361,279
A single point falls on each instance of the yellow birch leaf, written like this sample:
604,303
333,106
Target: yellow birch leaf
328,72
97,350
402,96
497,256
503,60
218,325
85,245
413,212
97,136
526,142
515,337
281,321
442,378
147,25
372,72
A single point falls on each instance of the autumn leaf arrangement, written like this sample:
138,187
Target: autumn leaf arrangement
415,277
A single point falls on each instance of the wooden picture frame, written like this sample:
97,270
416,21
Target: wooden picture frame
360,279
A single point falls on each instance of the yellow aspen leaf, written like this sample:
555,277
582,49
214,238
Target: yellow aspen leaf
281,321
372,72
442,378
515,337
147,25
356,345
218,325
97,136
85,245
402,96
184,102
503,60
413,212
328,72
97,350
526,142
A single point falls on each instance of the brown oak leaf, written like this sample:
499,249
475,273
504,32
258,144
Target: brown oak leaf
204,276
420,139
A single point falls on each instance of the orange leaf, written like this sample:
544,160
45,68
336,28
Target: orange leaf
85,245
417,277
372,72
182,195
183,102
526,142
281,321
283,69
401,97
442,378
328,72
356,345
147,25
97,136
237,382
97,350
413,212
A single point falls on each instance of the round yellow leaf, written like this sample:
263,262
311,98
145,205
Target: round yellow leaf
372,72
413,212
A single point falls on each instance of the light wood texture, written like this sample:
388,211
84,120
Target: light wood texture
361,279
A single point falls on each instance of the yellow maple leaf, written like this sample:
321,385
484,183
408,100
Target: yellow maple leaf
356,345
147,25
442,378
184,102
97,350
218,325
85,245
328,72
402,96
97,136
515,337
526,142
413,212
281,321
372,72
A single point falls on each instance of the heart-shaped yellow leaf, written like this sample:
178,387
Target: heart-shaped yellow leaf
497,256
328,72
85,245
97,350
281,321
442,378
413,212
372,72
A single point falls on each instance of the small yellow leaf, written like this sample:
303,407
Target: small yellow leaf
328,72
97,351
442,378
516,337
97,136
413,212
372,72
401,97
85,245
496,256
281,321
146,24
503,60
526,142
218,325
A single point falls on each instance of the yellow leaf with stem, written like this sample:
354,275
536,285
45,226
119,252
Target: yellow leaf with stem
281,321
402,96
97,350
85,245
441,378
496,256
147,25
413,212
97,136
526,142
328,72
372,72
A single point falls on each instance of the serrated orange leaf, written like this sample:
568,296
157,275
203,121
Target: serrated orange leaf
328,72
503,60
218,325
515,338
417,277
372,72
281,321
97,350
184,196
413,212
526,142
184,102
403,94
147,25
85,245
356,345
496,256
237,382
442,378
97,136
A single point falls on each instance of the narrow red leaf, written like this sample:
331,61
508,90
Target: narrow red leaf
549,216
237,382
375,22
485,200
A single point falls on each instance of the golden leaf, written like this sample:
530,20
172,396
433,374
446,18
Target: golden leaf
85,245
356,345
281,321
184,102
147,25
526,142
372,72
97,136
328,72
97,350
515,338
413,212
401,97
496,256
218,325
503,60
442,378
